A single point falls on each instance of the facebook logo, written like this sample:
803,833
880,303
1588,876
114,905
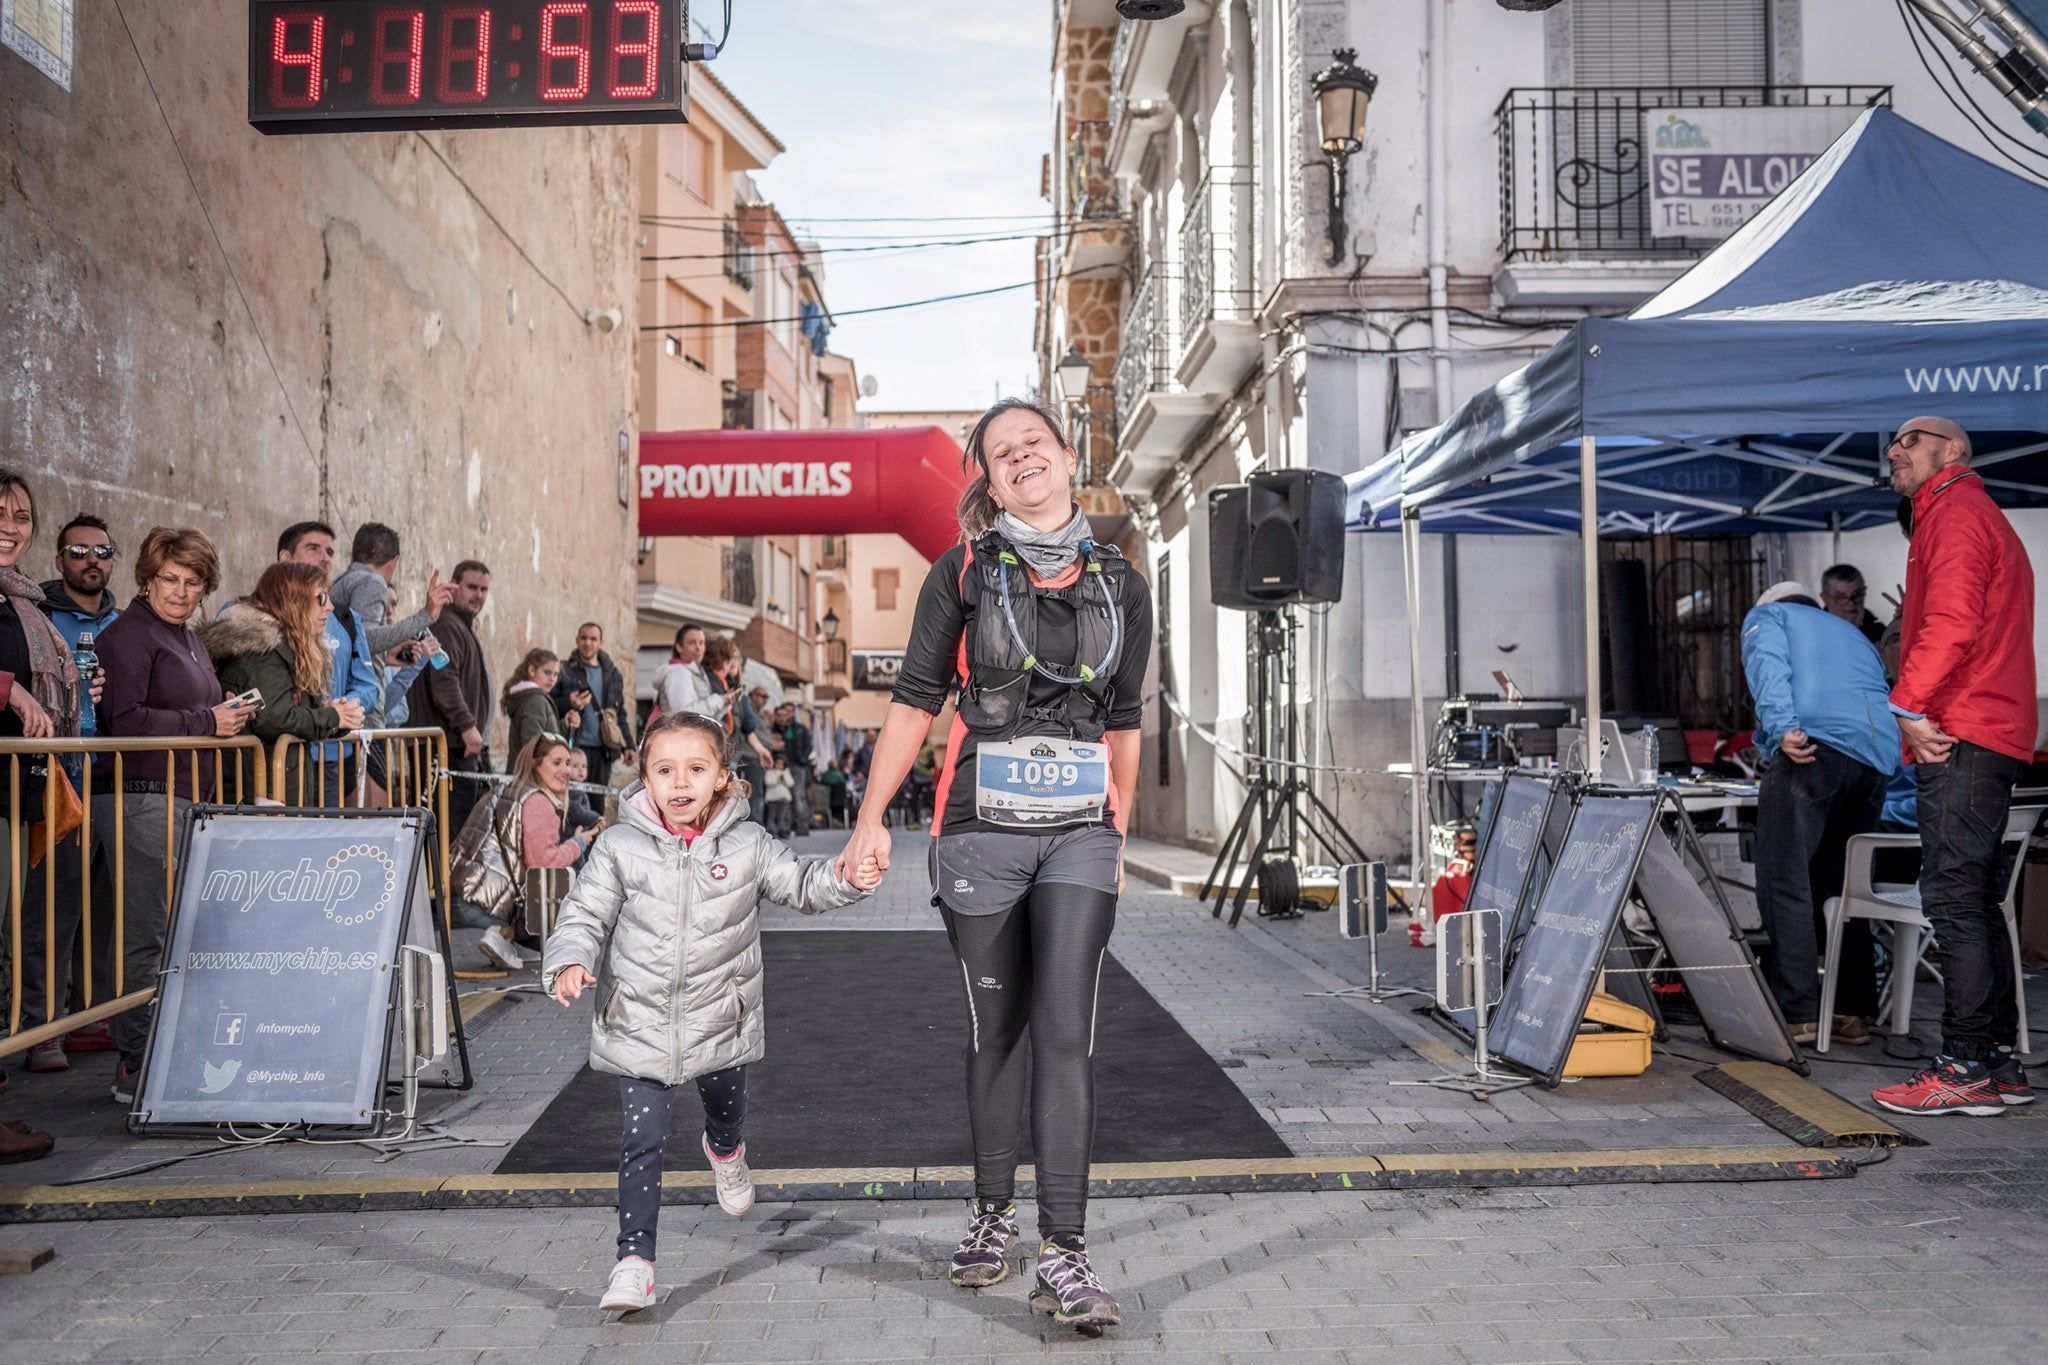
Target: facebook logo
228,1029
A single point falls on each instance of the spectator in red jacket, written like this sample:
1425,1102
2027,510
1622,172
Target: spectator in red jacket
1966,709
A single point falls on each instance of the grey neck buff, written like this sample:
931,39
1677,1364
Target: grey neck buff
1047,552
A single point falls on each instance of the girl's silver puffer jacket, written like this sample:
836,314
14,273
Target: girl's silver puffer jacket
671,933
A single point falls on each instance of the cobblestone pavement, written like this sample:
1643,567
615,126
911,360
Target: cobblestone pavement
1926,1255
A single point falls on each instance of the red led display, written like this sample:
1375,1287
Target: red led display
319,66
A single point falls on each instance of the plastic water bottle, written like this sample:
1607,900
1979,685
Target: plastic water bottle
1646,756
88,661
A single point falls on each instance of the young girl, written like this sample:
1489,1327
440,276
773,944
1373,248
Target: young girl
663,922
781,799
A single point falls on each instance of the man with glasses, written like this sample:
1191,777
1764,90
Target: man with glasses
1842,593
1965,704
78,601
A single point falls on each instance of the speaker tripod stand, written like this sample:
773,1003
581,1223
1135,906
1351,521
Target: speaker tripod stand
1278,800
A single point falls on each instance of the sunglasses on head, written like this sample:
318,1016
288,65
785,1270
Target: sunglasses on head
101,552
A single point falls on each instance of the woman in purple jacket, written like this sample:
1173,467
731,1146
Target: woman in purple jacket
159,682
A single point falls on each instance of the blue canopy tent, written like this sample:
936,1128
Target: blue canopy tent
1898,275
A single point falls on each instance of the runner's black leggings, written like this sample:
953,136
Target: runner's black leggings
1035,969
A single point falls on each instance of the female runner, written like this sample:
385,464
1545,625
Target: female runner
1047,633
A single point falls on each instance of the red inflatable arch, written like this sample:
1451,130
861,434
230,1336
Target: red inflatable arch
759,483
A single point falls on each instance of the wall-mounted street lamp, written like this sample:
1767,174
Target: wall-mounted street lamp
1343,92
1074,372
829,623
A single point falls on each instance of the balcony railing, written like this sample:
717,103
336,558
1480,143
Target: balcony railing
1215,251
1573,176
1143,364
832,552
739,256
738,407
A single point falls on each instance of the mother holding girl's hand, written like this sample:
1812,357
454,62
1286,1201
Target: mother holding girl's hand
1048,633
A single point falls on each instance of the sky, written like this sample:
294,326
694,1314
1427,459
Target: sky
916,110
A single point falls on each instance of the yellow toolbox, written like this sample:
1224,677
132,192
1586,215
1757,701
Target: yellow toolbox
1614,1040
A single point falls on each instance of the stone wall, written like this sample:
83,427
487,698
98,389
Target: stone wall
203,326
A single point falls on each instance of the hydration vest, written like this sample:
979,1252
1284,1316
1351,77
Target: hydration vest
996,674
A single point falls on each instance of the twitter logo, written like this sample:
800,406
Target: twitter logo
219,1078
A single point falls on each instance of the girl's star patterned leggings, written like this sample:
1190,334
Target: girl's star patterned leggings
646,1103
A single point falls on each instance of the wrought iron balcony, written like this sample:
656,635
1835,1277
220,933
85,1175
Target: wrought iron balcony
1573,174
1143,364
736,574
739,256
1216,251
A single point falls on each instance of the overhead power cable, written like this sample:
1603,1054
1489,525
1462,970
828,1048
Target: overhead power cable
1986,127
878,308
775,251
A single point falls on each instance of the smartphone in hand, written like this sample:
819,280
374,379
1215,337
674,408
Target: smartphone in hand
252,700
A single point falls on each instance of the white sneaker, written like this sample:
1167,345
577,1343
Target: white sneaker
499,949
527,954
735,1181
631,1288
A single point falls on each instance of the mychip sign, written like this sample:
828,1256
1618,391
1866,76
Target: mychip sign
1710,170
276,1003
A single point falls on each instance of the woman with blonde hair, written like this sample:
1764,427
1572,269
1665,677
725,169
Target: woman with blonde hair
524,825
272,642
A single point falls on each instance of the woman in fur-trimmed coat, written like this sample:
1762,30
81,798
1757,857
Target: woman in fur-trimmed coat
271,641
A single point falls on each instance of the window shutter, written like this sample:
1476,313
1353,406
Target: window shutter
1670,42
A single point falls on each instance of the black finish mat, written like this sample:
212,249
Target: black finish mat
865,1067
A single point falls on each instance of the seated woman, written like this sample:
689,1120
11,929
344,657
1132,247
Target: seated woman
271,641
529,708
524,825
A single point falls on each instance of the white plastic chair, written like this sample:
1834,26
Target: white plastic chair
1899,906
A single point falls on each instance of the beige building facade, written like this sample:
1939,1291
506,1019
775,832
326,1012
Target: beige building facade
202,326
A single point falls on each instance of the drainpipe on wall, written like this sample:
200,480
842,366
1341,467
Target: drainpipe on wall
1438,153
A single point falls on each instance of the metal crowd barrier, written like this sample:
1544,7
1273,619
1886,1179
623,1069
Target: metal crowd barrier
407,767
87,764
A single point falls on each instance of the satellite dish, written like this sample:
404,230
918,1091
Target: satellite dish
868,387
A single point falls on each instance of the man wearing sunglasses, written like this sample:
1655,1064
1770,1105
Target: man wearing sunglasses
1966,709
77,600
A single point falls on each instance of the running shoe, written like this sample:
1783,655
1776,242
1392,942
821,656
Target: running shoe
631,1288
2009,1079
499,949
126,1078
983,1256
1947,1087
735,1181
1067,1288
92,1038
48,1056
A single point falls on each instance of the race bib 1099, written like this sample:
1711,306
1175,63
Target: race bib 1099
1030,783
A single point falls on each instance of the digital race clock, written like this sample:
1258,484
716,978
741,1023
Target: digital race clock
339,66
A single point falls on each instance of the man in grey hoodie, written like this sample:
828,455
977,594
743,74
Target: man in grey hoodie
365,589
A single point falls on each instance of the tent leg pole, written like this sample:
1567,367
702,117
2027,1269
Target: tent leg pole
1589,549
1418,735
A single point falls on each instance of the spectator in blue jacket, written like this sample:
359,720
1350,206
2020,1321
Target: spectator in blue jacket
1825,729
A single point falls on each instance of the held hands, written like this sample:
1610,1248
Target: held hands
1930,744
868,875
571,982
1798,747
870,843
